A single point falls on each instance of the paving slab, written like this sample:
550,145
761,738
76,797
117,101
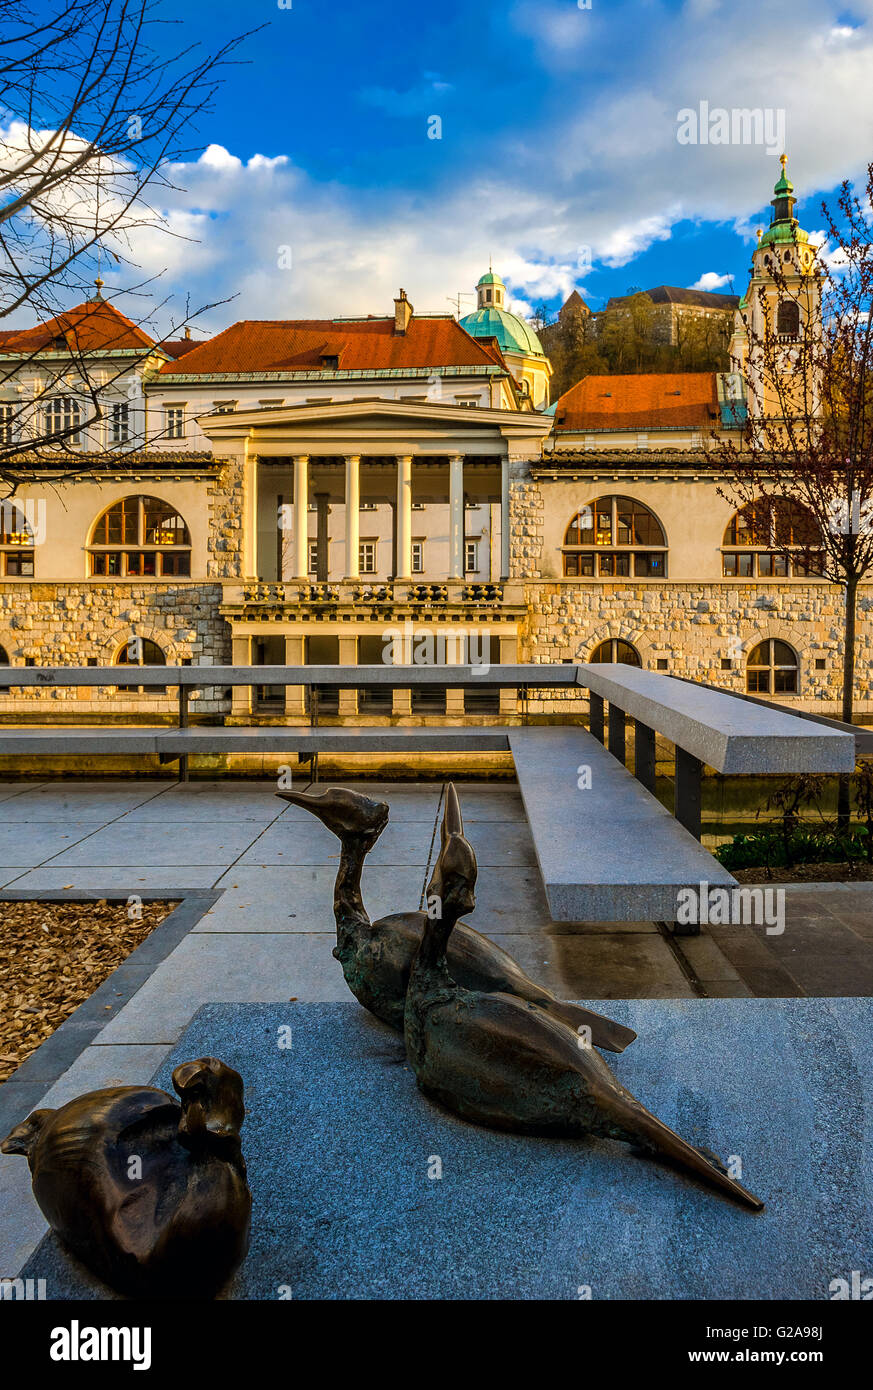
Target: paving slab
88,876
33,843
251,966
340,1144
310,842
210,801
299,898
80,801
130,844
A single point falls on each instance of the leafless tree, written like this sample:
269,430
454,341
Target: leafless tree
98,100
802,464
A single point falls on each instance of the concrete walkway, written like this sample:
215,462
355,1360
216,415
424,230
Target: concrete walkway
268,939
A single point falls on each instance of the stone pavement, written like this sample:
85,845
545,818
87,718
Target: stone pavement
268,939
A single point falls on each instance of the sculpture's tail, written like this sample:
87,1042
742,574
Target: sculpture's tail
636,1125
605,1032
22,1139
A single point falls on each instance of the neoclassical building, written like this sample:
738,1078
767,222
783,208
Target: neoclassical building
368,489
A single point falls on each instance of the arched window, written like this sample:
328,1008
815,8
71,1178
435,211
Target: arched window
771,669
139,537
614,649
771,539
16,542
139,651
788,319
615,536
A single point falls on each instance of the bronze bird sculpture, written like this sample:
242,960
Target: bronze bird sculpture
150,1194
504,1062
377,957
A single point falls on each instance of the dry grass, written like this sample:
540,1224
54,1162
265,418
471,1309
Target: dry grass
53,955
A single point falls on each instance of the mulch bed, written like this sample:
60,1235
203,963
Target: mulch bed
53,955
858,871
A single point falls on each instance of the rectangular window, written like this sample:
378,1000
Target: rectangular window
579,566
649,566
62,419
367,557
615,565
223,407
7,413
176,562
119,423
143,563
471,557
19,563
174,417
313,557
418,557
370,506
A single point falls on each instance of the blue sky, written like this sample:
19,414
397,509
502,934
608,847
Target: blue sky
558,147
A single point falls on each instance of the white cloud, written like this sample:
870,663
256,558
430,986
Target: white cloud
711,280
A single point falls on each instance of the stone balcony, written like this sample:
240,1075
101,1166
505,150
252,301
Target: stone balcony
450,599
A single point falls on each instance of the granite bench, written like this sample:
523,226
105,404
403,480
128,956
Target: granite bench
607,850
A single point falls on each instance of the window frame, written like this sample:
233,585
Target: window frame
123,552
603,557
770,668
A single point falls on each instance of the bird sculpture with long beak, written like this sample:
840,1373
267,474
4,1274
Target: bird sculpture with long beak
150,1193
377,957
507,1063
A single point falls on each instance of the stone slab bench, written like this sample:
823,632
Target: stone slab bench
209,740
729,735
337,1141
607,850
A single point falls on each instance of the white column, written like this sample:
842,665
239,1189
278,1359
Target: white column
504,518
301,516
404,516
456,516
353,519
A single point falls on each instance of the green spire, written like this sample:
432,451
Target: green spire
783,223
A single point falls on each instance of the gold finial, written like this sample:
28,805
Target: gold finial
98,283
759,232
783,160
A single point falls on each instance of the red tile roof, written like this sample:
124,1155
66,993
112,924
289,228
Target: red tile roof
654,400
178,347
91,327
289,345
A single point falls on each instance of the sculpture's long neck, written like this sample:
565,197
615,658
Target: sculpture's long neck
430,970
348,905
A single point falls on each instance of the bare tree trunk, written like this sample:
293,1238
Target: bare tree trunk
844,793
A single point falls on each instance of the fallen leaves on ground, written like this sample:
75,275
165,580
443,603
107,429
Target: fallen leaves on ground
53,955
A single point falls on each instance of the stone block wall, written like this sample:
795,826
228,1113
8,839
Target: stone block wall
70,624
696,628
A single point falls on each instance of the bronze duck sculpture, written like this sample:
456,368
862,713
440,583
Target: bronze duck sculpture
150,1194
504,1062
377,957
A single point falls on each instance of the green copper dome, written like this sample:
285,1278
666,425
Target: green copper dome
491,320
511,332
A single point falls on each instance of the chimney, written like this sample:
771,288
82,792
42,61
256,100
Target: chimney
402,313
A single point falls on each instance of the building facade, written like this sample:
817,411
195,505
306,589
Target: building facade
374,489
